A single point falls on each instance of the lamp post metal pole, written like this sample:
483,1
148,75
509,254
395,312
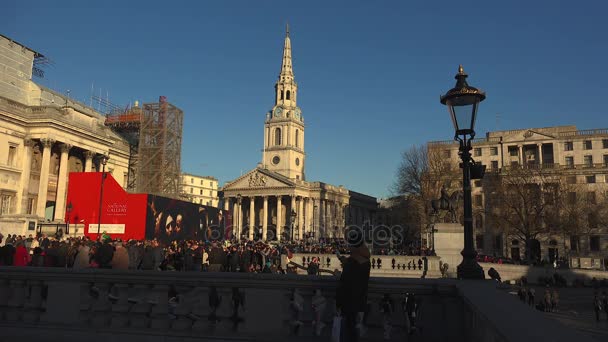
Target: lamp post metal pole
469,268
104,160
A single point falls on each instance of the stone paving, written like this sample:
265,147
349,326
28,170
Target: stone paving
575,310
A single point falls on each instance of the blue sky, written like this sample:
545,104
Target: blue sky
369,72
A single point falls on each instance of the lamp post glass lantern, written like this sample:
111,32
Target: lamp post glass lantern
462,102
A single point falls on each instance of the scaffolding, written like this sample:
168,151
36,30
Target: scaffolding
154,134
159,151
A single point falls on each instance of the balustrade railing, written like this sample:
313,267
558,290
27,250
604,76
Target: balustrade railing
218,305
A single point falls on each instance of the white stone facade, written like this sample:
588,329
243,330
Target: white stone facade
44,136
200,189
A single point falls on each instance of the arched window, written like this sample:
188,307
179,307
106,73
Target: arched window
287,96
281,94
297,138
277,136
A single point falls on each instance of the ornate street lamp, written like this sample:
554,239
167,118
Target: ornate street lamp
462,102
104,161
69,210
293,220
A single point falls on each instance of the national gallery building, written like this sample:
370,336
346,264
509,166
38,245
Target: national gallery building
44,136
275,198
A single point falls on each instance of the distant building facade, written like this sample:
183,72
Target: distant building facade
200,189
274,201
571,156
44,136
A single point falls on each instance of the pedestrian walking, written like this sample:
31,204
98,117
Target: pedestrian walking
531,294
605,302
386,307
554,300
597,307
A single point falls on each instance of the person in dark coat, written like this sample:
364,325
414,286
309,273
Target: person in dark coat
351,295
234,259
147,262
104,255
37,258
217,258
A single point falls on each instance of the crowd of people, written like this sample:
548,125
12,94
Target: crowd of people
231,256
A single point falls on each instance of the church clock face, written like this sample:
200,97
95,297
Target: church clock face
276,160
297,161
278,112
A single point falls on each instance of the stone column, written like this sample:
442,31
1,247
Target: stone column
321,225
240,226
88,161
306,227
301,218
226,204
292,225
251,216
25,176
62,180
326,218
279,228
540,155
521,155
265,219
44,177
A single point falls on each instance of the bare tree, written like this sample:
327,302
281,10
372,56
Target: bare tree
421,174
519,199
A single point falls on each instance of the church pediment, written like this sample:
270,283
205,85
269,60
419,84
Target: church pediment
528,135
257,179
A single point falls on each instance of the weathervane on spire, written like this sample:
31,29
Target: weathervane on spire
287,28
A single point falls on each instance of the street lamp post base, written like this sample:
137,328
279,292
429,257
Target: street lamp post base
470,269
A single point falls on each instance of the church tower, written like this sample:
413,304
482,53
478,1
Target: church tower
284,125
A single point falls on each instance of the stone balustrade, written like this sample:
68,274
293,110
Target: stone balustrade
44,304
407,266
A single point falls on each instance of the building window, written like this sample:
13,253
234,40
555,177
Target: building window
478,200
201,191
591,197
297,138
211,184
191,180
477,152
493,151
605,143
12,151
5,204
574,245
447,153
201,182
479,241
282,94
277,136
191,190
588,160
498,243
568,146
590,179
594,243
592,220
478,221
571,197
477,183
605,160
211,193
288,95
31,205
587,145
569,162
513,151
571,179
494,164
